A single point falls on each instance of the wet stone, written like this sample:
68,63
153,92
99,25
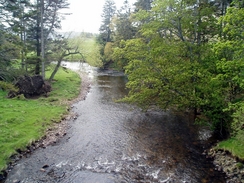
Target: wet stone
45,166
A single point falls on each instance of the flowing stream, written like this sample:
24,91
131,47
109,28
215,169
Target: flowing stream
113,142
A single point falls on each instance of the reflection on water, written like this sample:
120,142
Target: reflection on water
115,142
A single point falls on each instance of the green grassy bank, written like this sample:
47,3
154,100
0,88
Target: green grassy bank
23,121
235,145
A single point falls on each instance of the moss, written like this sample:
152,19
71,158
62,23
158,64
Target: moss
239,165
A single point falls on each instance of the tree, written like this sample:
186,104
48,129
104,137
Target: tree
178,68
34,22
105,31
60,49
10,47
14,16
51,21
124,28
87,45
230,66
143,5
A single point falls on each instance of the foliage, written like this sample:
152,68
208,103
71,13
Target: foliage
182,62
4,86
143,5
124,28
22,121
9,46
134,49
9,50
186,55
24,26
108,51
170,71
88,47
105,30
230,67
237,125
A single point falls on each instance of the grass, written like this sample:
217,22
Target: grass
23,121
233,145
66,85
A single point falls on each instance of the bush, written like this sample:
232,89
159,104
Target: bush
7,86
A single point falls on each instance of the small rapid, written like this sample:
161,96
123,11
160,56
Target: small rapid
112,142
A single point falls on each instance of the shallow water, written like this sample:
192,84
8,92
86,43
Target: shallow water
117,143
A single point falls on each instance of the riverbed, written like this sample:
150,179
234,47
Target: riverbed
111,142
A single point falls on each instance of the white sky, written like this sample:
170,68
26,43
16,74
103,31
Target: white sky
86,15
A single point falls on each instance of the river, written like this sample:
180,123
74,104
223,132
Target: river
112,142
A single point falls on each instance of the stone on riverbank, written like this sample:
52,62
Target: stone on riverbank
224,161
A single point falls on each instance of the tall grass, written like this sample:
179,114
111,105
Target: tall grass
23,121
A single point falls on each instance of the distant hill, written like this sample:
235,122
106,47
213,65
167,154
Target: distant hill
78,34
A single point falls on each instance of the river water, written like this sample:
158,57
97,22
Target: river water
113,142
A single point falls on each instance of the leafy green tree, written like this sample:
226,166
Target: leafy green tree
123,30
51,21
178,68
230,63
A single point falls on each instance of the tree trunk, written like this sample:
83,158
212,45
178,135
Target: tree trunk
38,45
56,68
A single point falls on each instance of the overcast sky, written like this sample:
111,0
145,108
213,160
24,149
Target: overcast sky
86,15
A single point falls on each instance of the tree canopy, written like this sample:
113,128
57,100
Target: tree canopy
182,54
29,33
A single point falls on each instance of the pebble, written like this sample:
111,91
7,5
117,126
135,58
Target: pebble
228,164
42,170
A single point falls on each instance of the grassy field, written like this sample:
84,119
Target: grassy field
23,121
